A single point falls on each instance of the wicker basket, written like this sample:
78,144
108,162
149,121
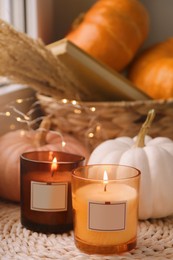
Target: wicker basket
95,122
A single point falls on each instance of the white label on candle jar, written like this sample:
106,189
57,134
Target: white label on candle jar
49,196
108,216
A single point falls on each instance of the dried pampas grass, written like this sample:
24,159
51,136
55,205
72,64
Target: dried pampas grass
28,61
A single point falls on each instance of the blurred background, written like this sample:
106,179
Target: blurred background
50,20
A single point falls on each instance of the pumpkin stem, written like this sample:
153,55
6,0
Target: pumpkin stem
140,141
40,137
78,21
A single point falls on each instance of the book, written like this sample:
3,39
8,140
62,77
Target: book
104,83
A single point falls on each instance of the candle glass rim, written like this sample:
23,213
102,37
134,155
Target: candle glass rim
80,157
137,175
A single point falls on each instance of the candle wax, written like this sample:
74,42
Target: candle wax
114,193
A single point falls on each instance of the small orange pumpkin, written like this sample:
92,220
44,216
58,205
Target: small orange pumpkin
152,71
14,143
112,31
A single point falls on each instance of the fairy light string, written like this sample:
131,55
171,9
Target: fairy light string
64,114
11,111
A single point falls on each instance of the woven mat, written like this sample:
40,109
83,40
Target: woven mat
155,241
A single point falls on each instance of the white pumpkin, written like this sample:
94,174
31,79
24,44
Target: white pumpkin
154,158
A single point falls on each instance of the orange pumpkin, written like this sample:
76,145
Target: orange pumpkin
112,31
14,143
152,71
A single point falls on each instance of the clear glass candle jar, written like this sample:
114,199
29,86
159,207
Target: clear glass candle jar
105,208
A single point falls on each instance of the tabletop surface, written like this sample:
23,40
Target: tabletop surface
155,240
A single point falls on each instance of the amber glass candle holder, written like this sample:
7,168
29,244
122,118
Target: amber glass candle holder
46,203
105,208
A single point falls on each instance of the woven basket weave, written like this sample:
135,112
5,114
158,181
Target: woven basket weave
95,122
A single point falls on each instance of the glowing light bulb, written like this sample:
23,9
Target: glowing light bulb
93,109
64,100
91,135
18,119
19,101
74,102
63,143
7,113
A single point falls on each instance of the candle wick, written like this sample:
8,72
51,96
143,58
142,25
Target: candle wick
105,187
52,173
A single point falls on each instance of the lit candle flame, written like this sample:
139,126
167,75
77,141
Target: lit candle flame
105,180
54,165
